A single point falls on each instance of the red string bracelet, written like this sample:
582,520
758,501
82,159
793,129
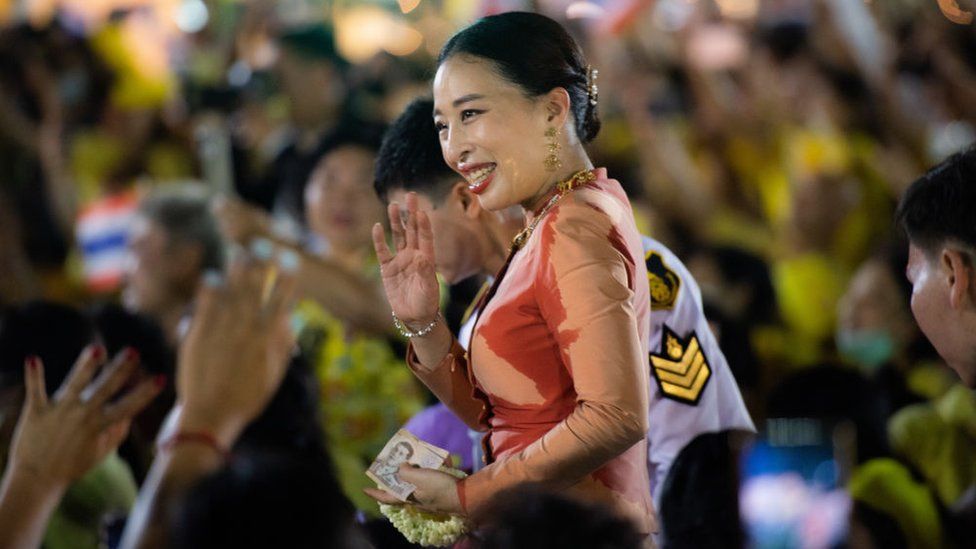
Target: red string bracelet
194,437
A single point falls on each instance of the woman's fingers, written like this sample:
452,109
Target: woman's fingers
34,382
112,378
425,235
382,496
82,372
115,433
383,253
411,220
396,227
413,474
135,400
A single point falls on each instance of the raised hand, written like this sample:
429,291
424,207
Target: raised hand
58,440
240,221
238,347
408,272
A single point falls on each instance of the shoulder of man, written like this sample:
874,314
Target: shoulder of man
684,354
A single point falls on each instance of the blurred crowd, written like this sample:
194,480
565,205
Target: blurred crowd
766,142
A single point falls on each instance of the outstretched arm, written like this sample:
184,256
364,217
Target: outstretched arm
344,293
230,365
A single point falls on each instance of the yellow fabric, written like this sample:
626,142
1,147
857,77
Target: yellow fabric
94,155
887,486
807,288
939,440
139,83
931,380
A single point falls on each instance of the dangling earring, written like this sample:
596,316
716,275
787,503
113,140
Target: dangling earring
552,160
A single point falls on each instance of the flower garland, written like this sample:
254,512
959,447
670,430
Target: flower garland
426,528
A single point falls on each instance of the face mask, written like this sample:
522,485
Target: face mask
867,348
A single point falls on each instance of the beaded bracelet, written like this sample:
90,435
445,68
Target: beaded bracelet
405,332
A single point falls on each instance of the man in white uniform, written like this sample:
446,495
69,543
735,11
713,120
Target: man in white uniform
693,390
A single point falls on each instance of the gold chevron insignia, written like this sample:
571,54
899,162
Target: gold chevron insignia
680,367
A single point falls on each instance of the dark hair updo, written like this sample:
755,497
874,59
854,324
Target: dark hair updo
535,53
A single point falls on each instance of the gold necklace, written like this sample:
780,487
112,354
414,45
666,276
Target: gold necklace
574,181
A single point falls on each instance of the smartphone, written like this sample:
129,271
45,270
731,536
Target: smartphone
792,484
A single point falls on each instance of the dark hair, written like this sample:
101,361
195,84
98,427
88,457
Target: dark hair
738,266
54,332
315,41
266,500
700,496
941,205
535,53
406,445
120,328
184,213
290,422
410,157
359,134
527,517
354,133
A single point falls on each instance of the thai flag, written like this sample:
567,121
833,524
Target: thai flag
102,232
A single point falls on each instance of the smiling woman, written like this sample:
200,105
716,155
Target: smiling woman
556,370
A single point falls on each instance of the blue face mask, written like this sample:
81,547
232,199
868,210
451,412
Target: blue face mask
869,349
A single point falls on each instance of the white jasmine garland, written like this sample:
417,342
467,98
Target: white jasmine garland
426,528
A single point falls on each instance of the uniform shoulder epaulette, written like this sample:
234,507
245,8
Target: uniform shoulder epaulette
664,283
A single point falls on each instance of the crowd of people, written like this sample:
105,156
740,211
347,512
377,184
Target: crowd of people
197,278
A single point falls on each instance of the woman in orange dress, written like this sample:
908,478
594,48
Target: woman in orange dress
557,368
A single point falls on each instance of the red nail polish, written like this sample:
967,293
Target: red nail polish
33,362
131,354
160,381
98,352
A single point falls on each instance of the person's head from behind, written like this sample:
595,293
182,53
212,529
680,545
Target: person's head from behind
340,204
261,499
528,517
938,212
700,496
501,84
410,160
290,421
174,239
53,332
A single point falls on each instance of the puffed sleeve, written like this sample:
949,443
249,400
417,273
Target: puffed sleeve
451,384
585,290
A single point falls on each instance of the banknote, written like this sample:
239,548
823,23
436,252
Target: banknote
403,448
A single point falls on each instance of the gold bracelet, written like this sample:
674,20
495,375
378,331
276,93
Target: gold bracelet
405,332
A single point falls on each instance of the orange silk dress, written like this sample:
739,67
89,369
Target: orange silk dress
557,370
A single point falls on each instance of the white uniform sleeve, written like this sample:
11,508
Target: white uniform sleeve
692,387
